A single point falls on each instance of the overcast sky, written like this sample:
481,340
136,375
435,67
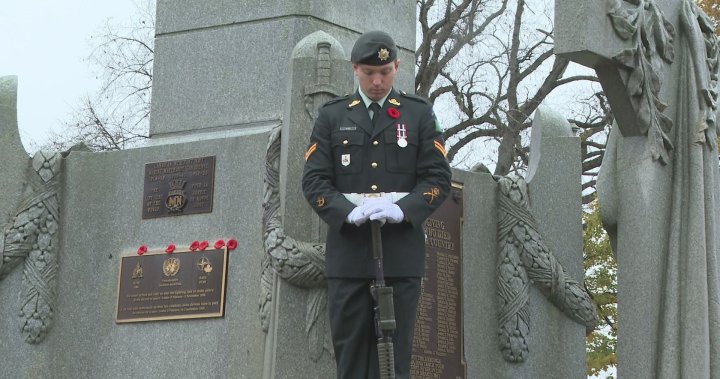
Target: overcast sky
46,43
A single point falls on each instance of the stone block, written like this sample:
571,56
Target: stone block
12,154
100,222
234,66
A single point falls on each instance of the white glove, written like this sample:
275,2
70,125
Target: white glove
383,210
356,216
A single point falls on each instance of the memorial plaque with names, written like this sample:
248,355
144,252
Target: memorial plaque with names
438,345
180,285
179,187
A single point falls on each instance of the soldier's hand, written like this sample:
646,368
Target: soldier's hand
383,210
357,216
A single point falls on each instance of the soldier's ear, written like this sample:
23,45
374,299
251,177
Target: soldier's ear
397,64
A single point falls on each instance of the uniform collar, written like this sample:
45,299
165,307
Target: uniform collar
367,101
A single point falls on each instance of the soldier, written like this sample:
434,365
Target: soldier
377,154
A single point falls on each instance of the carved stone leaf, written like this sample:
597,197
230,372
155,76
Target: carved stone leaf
655,84
628,58
665,126
635,82
712,64
661,107
644,114
659,145
647,38
624,23
705,22
663,33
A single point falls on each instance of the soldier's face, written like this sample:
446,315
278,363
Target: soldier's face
376,81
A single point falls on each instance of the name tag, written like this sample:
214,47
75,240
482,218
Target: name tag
348,128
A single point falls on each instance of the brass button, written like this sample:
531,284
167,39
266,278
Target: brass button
373,187
345,142
376,143
374,165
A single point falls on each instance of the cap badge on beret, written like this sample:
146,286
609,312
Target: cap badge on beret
383,54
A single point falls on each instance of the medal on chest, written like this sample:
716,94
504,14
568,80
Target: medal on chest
401,133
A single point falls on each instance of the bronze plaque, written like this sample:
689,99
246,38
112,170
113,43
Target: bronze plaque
173,286
438,345
180,187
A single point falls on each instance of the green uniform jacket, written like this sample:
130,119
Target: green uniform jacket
347,155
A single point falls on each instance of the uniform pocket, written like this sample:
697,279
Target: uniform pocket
401,158
347,147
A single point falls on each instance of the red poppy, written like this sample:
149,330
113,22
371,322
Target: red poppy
231,244
393,112
142,249
219,244
194,245
203,245
170,248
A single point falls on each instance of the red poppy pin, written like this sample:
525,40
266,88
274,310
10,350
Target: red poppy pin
142,249
219,244
232,244
203,245
393,112
170,248
194,245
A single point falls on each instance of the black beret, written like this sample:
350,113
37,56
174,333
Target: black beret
374,48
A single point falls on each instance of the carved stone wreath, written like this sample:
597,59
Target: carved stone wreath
31,237
299,263
524,258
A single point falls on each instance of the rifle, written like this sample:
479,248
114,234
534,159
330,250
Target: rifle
384,308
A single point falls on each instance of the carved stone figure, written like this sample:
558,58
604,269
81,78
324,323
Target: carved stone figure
659,187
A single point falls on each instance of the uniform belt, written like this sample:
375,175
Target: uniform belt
359,198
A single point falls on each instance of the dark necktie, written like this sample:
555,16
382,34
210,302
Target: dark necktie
375,108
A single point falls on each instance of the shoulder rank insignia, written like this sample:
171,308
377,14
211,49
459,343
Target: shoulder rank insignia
439,146
310,150
354,103
394,102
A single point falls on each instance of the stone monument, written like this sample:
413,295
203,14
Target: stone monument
238,85
658,185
